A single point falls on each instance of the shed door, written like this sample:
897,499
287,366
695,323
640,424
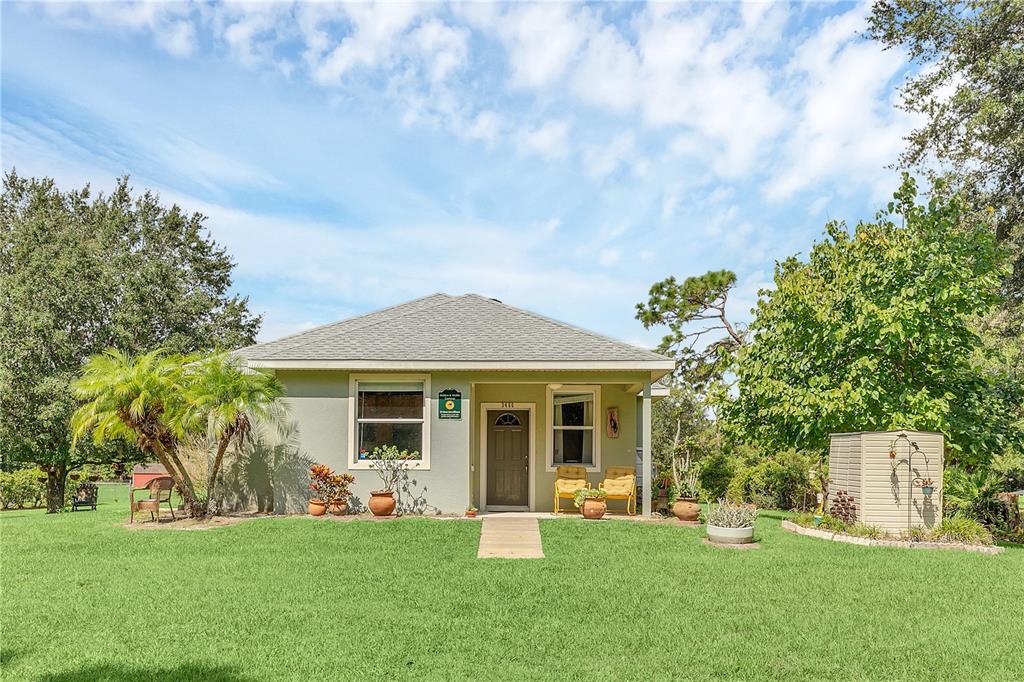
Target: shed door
508,458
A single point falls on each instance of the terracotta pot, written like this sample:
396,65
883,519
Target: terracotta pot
74,477
317,508
686,509
339,507
94,478
382,502
471,513
594,508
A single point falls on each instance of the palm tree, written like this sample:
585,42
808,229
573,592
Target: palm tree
137,399
225,398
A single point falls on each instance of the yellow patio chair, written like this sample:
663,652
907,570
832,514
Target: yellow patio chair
620,484
569,480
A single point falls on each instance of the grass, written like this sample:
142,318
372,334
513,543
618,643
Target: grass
303,599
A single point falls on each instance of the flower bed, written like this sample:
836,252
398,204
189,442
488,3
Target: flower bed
886,541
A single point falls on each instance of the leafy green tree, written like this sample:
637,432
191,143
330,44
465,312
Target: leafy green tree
970,94
877,330
80,273
226,400
158,401
140,400
700,336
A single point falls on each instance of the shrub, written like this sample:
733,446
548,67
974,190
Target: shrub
20,489
915,534
961,529
1009,466
865,530
782,481
714,474
974,495
729,515
805,519
834,524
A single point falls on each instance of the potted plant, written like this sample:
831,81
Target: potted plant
340,493
731,524
685,507
591,502
320,483
662,488
392,466
470,512
927,487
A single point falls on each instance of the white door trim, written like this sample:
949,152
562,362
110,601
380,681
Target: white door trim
531,457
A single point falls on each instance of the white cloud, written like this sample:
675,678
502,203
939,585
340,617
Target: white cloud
603,159
608,72
170,24
550,140
845,125
541,41
375,30
711,77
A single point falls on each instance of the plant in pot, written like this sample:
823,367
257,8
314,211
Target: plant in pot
927,487
661,490
323,485
731,524
392,466
471,512
339,493
684,486
685,507
591,502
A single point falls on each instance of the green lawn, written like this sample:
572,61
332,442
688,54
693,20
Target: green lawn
308,599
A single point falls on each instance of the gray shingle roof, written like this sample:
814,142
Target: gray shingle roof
441,328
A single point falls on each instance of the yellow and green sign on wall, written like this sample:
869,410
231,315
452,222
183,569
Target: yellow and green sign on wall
449,404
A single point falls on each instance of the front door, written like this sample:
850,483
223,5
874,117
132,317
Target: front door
508,458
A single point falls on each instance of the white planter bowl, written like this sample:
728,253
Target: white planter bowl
731,536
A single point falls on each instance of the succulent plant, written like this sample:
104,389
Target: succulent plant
729,515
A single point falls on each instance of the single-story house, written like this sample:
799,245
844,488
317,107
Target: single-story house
491,397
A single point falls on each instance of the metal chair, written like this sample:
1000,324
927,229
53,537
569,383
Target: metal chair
620,484
159,493
569,480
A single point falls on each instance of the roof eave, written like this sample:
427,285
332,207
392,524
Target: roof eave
658,367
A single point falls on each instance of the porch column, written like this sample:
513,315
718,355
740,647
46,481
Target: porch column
645,443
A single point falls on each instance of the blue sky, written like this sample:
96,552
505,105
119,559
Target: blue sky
558,157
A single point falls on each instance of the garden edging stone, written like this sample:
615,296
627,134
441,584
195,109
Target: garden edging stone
869,542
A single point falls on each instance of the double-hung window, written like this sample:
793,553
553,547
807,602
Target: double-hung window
390,412
572,435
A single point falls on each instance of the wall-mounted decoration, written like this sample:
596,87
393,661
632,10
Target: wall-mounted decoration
612,422
449,404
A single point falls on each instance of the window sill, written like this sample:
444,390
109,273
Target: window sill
365,466
592,469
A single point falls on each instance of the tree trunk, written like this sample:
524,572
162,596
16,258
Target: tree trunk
182,480
218,460
56,482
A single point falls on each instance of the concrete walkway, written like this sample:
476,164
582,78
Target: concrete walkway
510,537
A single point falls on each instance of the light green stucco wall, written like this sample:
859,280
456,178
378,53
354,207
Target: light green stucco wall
318,403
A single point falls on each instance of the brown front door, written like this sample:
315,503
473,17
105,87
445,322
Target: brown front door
508,458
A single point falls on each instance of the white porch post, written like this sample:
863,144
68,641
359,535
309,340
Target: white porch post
645,443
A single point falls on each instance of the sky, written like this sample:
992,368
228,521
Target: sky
559,157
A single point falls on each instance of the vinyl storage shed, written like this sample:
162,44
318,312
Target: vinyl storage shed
889,491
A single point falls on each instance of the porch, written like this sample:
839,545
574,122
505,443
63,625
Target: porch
524,427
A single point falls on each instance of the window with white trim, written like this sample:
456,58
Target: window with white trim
390,413
573,434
